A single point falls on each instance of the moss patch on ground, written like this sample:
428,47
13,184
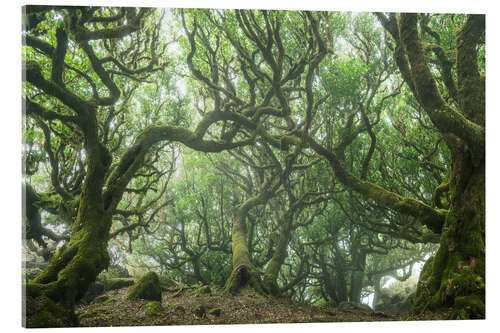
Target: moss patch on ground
148,288
154,308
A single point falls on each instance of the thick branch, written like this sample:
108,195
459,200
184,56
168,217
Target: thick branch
133,158
433,219
443,116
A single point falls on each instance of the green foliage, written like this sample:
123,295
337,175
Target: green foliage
309,110
345,79
215,312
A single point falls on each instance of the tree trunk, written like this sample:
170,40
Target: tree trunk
70,272
334,282
357,276
51,297
279,255
244,272
356,286
377,291
455,277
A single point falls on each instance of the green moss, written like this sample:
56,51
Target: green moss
154,308
287,140
103,300
274,266
118,283
270,284
243,275
469,307
456,279
241,255
32,273
202,290
215,312
232,284
94,290
166,282
49,314
44,319
423,291
466,283
199,310
178,307
324,303
148,287
107,301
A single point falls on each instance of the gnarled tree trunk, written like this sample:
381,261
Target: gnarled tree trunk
51,297
455,276
244,271
279,255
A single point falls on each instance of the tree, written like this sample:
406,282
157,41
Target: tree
333,156
246,68
192,244
81,63
445,73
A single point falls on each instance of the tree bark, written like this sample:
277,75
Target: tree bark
455,276
76,265
357,276
244,271
279,255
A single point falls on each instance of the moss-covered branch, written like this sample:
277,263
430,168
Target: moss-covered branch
432,218
35,108
78,30
33,75
471,85
133,158
444,117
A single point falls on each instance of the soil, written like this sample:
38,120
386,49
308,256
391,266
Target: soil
211,306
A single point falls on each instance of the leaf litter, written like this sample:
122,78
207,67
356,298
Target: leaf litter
217,307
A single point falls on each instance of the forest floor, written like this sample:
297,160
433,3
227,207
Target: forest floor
190,307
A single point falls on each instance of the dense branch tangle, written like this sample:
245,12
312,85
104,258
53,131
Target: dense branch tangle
92,57
459,117
280,93
263,59
262,103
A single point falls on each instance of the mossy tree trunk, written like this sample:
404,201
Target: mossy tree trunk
335,283
287,225
454,277
279,255
76,265
357,275
244,271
